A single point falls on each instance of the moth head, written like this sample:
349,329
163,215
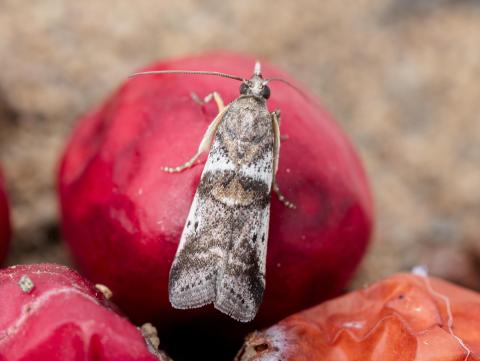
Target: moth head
256,85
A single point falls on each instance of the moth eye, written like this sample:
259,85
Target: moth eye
266,92
243,88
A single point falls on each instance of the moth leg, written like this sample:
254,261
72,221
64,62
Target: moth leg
214,95
276,156
204,144
283,137
276,139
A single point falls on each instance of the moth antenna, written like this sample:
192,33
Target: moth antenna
188,72
289,84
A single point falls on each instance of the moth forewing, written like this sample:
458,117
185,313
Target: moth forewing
183,293
222,251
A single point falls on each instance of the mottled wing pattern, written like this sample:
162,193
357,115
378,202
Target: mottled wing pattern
241,280
222,251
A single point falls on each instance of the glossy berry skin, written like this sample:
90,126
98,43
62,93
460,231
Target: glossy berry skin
122,216
58,315
5,228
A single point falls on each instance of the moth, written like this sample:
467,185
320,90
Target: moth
221,256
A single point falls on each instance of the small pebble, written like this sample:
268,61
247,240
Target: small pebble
26,284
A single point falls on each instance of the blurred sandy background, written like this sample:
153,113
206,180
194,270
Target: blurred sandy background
401,76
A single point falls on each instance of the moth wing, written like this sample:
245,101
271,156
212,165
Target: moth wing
192,278
193,272
241,283
222,251
241,280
